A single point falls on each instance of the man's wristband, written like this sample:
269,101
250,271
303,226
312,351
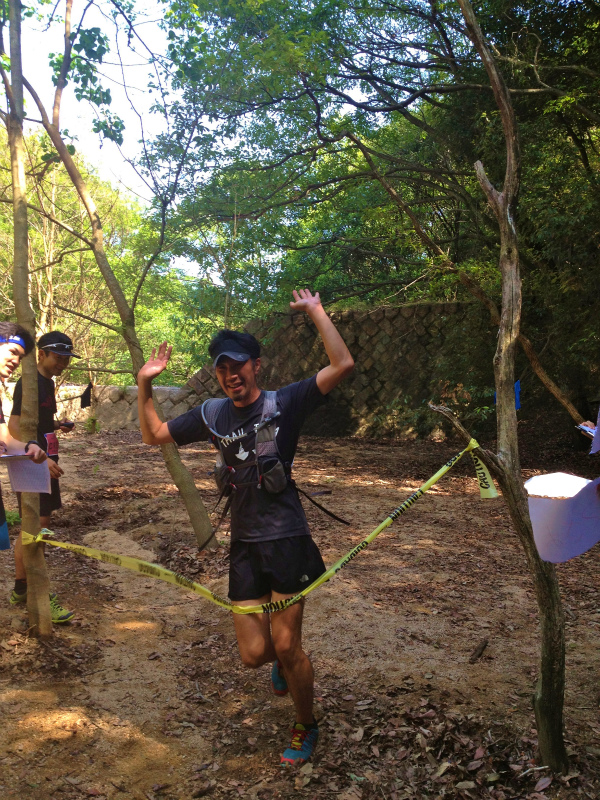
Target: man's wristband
32,441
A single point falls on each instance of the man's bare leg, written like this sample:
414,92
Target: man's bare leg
286,633
20,574
253,632
262,638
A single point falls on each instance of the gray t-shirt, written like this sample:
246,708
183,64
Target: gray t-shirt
256,515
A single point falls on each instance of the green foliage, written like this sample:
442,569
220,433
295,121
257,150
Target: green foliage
13,518
289,89
64,273
110,126
88,47
90,42
401,416
92,425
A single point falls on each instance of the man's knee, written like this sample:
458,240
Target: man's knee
253,657
287,646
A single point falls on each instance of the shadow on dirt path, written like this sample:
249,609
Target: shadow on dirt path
143,695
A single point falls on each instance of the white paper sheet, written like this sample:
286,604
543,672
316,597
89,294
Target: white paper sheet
565,514
25,476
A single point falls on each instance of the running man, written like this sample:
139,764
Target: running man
55,350
15,342
273,556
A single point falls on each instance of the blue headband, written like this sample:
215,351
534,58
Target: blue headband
15,340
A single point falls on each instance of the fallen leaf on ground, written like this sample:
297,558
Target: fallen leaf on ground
357,735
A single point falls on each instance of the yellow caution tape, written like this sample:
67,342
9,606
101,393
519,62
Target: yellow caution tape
486,488
486,484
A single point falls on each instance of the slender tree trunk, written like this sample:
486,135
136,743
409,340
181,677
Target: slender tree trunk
549,696
38,586
182,478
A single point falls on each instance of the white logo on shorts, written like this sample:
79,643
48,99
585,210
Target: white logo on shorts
303,579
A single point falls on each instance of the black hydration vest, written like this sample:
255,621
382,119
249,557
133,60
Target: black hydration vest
268,470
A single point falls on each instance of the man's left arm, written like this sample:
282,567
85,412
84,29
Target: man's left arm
341,362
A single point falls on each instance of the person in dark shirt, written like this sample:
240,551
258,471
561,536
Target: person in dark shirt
55,350
273,556
15,342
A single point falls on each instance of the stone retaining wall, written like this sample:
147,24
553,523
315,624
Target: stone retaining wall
403,356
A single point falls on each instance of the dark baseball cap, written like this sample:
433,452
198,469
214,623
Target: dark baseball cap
57,342
231,349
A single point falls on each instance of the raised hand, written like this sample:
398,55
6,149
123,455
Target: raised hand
305,300
156,363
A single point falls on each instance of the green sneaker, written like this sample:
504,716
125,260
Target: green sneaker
16,598
59,614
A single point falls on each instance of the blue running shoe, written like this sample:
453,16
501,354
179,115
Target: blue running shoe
304,741
278,682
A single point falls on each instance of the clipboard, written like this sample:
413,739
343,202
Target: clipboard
25,476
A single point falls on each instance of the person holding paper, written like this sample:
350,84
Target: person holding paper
55,350
587,428
15,342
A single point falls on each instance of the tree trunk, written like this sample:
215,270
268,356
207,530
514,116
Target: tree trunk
38,586
549,696
548,699
181,476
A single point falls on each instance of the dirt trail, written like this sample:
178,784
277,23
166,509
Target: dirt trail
143,696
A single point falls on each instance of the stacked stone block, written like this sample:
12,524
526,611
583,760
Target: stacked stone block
397,351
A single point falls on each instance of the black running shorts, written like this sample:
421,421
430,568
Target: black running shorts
285,566
50,502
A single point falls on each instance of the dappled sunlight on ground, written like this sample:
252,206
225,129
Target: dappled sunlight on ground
144,696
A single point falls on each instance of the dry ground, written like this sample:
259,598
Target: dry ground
143,696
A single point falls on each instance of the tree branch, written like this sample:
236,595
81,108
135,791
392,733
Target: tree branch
89,319
50,218
90,368
489,459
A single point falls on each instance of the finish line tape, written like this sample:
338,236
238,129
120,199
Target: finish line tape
486,488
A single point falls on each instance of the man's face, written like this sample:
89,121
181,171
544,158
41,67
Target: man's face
52,364
238,379
10,358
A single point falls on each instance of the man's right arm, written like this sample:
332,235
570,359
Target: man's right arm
154,431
